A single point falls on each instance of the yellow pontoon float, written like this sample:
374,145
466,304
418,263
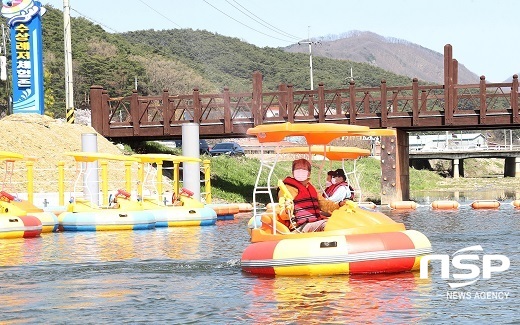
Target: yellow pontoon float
120,214
182,209
12,205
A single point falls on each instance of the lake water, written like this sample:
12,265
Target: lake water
193,276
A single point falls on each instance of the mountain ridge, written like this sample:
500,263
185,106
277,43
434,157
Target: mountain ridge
389,53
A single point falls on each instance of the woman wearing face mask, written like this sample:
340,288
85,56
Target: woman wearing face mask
307,201
340,189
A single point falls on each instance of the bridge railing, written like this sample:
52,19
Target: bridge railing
487,99
231,114
353,103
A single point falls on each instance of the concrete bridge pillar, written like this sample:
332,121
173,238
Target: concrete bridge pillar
512,167
457,168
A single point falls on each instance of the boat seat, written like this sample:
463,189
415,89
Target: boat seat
280,227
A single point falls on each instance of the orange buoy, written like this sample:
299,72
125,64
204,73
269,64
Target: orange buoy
245,207
516,203
485,204
445,205
402,205
224,209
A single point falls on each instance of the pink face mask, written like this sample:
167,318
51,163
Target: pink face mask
301,175
333,181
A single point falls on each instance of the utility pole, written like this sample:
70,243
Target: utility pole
69,94
3,70
310,54
351,75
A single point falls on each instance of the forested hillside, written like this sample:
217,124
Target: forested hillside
178,60
227,61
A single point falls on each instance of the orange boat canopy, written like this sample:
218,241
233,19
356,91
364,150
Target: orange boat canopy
315,134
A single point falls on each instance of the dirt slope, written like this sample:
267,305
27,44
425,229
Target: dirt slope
47,139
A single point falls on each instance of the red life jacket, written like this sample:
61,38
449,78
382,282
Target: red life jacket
306,206
331,189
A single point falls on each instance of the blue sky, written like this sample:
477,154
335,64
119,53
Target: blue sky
483,33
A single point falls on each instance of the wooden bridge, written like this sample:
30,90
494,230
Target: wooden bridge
416,107
406,108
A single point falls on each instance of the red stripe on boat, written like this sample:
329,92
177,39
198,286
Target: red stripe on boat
380,242
33,222
260,251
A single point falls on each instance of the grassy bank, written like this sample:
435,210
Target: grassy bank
233,178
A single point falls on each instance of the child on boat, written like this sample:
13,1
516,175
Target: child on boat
340,189
328,180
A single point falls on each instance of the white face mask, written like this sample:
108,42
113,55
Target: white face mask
301,175
327,183
334,181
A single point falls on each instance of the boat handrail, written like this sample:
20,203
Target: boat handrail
152,158
8,155
95,156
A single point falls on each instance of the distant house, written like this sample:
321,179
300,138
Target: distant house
447,141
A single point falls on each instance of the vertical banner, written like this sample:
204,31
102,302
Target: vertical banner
24,21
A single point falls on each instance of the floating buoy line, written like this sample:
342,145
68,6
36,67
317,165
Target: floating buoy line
438,205
450,205
228,211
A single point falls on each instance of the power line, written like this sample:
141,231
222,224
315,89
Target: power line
160,14
115,31
92,20
261,21
241,23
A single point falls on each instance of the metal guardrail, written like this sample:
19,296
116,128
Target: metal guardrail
468,148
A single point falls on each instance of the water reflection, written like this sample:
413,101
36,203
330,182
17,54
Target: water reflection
105,246
391,298
20,251
466,195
